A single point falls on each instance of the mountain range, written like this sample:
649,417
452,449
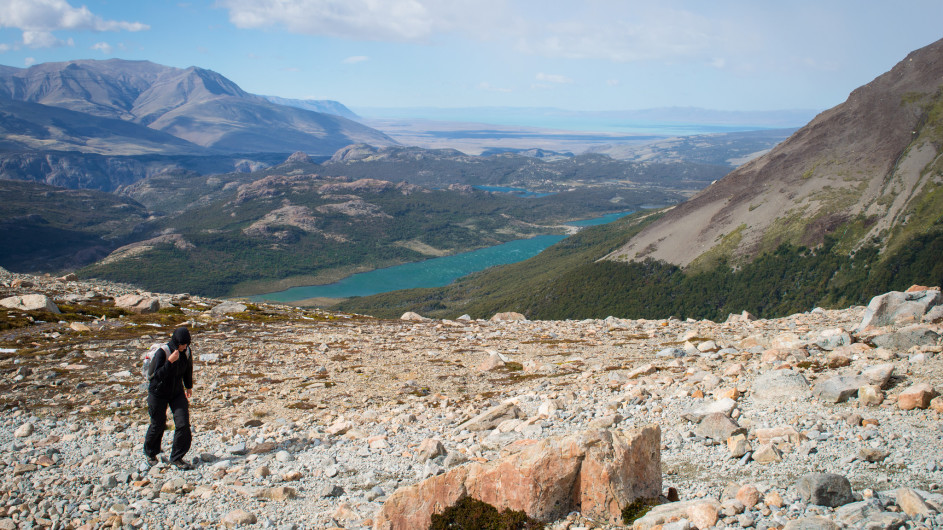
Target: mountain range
163,109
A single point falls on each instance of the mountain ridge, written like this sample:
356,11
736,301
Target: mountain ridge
195,104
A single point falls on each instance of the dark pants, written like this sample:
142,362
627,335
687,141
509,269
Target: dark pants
157,408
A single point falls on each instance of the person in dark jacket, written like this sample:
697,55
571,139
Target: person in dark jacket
171,385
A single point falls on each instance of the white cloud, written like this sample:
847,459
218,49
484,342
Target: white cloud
103,47
38,19
553,78
614,30
355,59
488,87
41,39
613,82
397,20
29,61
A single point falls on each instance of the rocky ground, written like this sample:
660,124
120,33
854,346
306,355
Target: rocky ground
311,419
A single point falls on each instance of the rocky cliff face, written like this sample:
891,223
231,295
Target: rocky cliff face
859,171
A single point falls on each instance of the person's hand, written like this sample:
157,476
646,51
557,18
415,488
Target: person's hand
188,392
172,358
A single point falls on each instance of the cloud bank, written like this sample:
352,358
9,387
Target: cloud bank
38,19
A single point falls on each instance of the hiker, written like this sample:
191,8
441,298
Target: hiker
171,384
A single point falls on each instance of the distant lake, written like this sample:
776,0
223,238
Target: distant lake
435,272
517,192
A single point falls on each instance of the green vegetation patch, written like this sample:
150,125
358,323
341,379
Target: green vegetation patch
718,253
472,514
637,509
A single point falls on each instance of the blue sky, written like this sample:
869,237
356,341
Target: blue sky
579,55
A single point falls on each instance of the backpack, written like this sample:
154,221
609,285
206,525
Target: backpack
147,359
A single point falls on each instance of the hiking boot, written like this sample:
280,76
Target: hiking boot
150,460
181,464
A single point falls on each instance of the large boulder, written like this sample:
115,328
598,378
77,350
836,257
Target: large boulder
780,385
490,418
718,427
413,317
228,307
917,396
907,337
896,307
839,388
596,473
825,489
30,302
137,303
723,405
508,316
672,511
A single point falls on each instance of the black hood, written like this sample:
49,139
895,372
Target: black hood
181,336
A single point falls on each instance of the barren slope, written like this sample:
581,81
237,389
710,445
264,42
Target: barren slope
856,169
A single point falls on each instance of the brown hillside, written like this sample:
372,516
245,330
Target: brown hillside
855,169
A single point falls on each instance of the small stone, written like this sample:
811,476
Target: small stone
767,454
431,448
916,397
237,449
773,500
291,476
23,431
870,454
238,517
703,515
279,493
738,445
870,396
748,495
331,490
912,503
283,456
814,522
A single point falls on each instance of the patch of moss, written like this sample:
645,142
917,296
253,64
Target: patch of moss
472,514
637,509
262,316
513,366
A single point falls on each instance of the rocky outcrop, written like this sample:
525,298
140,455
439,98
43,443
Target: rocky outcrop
597,473
138,303
898,308
30,302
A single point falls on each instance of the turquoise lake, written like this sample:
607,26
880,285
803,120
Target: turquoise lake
435,272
